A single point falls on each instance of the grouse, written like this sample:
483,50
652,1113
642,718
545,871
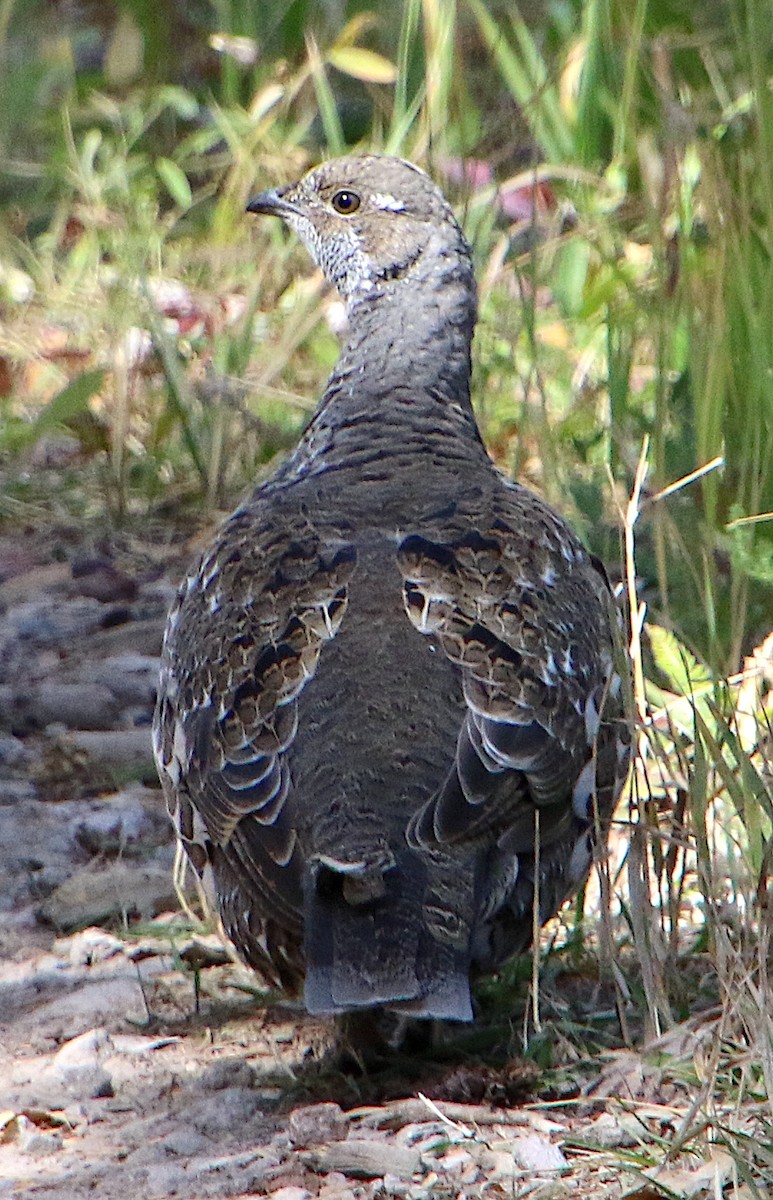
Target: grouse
390,719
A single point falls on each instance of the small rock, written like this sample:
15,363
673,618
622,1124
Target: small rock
455,1159
121,824
132,678
535,1153
48,621
148,948
16,791
185,1142
75,705
84,1048
607,1133
120,750
100,579
226,1072
365,1159
55,452
528,1153
159,1179
90,946
290,1193
204,950
77,1065
13,753
314,1124
336,1187
64,773
498,1165
117,890
35,1142
143,635
393,1185
229,1109
425,1134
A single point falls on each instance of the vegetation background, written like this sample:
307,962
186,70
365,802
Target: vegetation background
612,163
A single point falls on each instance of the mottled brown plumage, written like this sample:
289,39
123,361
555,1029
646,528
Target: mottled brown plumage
392,675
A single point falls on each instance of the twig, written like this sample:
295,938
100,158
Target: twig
461,1130
637,611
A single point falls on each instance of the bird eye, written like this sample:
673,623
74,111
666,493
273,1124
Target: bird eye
345,202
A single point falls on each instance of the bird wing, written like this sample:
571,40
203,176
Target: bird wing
227,707
514,599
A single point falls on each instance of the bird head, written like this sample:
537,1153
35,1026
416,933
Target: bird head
368,221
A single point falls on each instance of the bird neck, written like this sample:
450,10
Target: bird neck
406,358
415,332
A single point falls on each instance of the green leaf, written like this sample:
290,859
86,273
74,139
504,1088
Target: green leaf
179,398
180,100
693,684
744,787
71,402
362,64
326,102
175,181
680,667
571,273
751,553
126,52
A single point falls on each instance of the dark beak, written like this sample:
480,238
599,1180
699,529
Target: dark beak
273,203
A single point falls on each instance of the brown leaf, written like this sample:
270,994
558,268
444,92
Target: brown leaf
6,376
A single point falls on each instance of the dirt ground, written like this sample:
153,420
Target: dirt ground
137,1060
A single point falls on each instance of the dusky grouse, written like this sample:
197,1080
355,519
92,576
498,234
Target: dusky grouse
388,694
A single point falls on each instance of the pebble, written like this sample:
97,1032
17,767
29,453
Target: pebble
336,1187
159,1180
454,1160
314,1124
535,1153
13,753
204,950
225,1073
228,1109
90,946
116,890
48,621
503,1159
78,1066
34,1141
132,678
608,1133
425,1134
14,791
365,1159
102,580
126,824
75,705
85,1048
185,1142
122,750
393,1185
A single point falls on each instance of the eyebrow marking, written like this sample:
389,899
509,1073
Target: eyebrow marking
385,201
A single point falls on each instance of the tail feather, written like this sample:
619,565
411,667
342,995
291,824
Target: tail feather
380,953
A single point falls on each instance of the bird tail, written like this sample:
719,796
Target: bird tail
366,951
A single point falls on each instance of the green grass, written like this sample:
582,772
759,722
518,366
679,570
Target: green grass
641,321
